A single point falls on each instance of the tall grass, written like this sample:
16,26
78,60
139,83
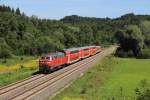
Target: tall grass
110,79
11,77
125,78
16,63
17,68
87,86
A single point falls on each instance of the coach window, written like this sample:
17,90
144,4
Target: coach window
54,57
86,49
62,56
59,56
76,51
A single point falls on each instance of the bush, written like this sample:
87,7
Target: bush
142,95
21,58
143,92
5,53
4,61
21,67
145,53
121,53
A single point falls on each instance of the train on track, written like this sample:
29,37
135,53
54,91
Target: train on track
53,60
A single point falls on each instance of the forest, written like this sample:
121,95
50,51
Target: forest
23,35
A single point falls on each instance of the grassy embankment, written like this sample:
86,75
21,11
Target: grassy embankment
16,68
110,78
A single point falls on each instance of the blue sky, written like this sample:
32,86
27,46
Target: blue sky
56,9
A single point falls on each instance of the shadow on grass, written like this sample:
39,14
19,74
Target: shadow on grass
37,72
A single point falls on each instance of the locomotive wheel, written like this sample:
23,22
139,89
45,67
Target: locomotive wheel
45,69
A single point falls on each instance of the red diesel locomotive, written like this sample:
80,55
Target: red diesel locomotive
51,61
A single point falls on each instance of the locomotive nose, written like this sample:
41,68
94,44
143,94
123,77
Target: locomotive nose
44,68
44,65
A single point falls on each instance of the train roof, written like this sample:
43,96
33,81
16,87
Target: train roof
87,47
78,48
71,49
59,53
54,54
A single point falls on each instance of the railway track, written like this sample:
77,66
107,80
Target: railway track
19,83
40,86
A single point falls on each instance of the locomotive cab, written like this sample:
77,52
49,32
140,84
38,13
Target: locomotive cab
45,59
51,61
44,63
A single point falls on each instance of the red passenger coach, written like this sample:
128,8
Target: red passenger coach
73,54
52,60
93,50
85,51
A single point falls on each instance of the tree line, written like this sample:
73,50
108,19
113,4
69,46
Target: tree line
23,35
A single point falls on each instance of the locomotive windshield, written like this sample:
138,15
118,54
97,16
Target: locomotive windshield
46,58
53,55
42,57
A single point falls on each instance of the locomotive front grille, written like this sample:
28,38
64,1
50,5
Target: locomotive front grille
44,68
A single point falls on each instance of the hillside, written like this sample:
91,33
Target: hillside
23,35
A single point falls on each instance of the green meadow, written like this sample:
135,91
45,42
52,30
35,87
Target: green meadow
110,79
11,77
17,68
17,62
